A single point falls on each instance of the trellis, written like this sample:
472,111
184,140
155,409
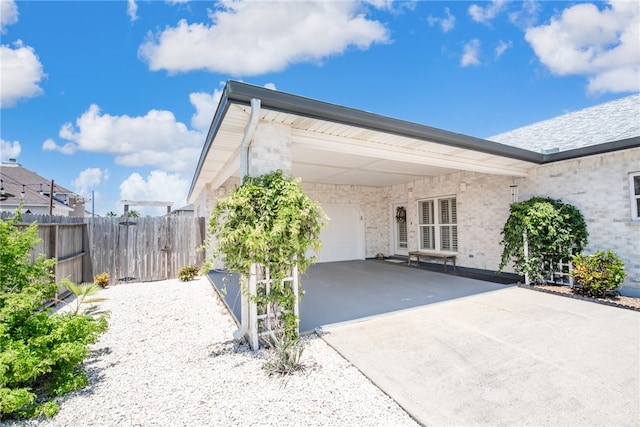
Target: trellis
258,320
556,273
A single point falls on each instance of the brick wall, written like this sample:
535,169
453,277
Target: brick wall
597,185
270,149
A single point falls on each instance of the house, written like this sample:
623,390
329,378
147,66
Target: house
20,185
183,211
391,186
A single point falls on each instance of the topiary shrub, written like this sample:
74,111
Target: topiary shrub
188,272
598,275
102,280
40,352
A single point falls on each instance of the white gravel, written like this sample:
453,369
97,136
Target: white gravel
168,359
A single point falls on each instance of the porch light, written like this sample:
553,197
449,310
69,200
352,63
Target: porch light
514,193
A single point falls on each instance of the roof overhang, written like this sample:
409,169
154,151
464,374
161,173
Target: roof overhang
339,145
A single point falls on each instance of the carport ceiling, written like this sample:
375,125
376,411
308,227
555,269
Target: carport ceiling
337,145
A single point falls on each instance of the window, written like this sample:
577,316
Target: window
634,190
438,224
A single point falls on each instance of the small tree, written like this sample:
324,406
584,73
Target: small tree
554,231
268,220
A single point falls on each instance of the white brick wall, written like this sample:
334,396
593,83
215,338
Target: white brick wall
270,149
597,185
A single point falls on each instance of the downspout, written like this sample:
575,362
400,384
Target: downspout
249,130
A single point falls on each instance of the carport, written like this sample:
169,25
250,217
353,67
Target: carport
344,291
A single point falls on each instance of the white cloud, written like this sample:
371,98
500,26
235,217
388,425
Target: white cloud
502,47
132,10
486,14
603,45
21,72
9,150
205,105
50,145
471,52
155,139
158,186
8,14
89,179
249,38
446,24
527,15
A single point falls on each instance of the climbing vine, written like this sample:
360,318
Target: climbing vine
554,230
268,220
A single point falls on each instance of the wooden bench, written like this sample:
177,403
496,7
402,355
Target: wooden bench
444,256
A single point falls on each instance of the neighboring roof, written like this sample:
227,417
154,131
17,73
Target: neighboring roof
16,179
186,208
612,121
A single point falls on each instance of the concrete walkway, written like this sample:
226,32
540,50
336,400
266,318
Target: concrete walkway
506,357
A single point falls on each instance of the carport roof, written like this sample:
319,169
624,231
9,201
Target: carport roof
333,144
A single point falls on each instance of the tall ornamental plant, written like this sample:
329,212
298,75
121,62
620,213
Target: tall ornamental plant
41,352
268,220
553,230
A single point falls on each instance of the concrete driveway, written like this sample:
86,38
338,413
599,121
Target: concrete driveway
349,290
506,357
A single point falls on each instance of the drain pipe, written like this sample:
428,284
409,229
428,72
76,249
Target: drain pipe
249,130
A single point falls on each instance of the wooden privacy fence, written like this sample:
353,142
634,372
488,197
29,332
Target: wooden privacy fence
145,249
137,249
63,238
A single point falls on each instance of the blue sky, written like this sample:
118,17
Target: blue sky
116,97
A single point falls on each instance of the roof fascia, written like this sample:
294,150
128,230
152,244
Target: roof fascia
221,110
242,93
607,147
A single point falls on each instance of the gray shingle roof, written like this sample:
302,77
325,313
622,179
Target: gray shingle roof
612,121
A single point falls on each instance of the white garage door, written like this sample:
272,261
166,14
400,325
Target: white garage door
343,237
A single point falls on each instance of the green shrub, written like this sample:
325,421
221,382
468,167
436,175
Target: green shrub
286,357
555,231
268,220
188,272
40,352
598,275
102,280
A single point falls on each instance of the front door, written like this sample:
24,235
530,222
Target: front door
400,229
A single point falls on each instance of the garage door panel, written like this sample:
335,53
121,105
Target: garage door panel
343,236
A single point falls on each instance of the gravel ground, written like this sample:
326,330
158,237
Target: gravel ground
168,360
